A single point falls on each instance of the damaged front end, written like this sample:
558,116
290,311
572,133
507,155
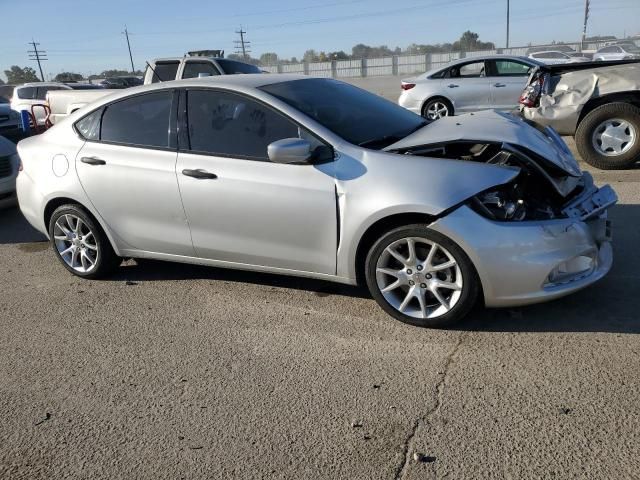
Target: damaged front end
550,184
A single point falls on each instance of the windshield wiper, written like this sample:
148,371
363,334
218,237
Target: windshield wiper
389,139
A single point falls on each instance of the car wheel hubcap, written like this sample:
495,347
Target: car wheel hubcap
437,110
614,137
419,278
75,243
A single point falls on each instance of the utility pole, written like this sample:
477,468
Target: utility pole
242,45
508,2
126,34
38,55
586,18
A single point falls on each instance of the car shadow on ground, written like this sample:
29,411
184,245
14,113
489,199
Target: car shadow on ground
611,305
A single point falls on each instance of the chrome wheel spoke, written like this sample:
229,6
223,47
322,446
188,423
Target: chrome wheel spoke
428,263
406,300
443,266
411,246
447,285
63,229
391,286
440,298
396,255
423,304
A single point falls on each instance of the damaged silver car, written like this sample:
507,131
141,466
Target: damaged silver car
597,103
316,178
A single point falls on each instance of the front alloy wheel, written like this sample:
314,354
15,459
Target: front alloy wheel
421,277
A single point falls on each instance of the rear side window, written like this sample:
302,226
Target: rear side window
509,68
233,125
194,69
142,120
231,67
89,126
475,69
26,93
164,72
42,92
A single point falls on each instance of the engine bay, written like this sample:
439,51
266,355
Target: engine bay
541,190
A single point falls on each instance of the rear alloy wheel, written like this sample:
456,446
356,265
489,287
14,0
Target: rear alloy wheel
436,109
421,277
609,136
80,244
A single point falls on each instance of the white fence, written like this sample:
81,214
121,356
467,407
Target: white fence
398,64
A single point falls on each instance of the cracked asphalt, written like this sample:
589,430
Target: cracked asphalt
176,371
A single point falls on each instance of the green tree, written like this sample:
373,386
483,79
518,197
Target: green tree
310,56
269,58
340,55
68,77
16,75
469,41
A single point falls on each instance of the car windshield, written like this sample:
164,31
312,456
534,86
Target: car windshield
357,116
232,67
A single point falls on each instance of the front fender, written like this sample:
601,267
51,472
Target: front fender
391,184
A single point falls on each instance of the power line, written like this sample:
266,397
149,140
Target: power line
508,5
242,45
126,34
37,55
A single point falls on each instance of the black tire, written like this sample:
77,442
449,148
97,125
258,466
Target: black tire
470,286
429,103
106,259
587,128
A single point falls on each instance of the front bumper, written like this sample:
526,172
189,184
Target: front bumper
515,260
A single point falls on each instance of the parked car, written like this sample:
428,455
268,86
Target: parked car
555,57
468,85
9,119
29,94
164,69
196,64
85,86
554,47
619,51
9,165
120,82
598,103
316,178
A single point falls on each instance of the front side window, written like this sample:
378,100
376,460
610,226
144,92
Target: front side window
164,71
228,124
194,69
142,120
509,68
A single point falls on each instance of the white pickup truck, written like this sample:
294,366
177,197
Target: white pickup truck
64,102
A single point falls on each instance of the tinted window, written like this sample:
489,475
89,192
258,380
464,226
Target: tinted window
42,91
4,100
140,120
85,86
475,69
89,126
607,50
26,93
350,112
164,71
234,125
194,69
509,68
231,67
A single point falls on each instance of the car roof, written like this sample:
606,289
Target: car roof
489,57
43,84
247,80
548,51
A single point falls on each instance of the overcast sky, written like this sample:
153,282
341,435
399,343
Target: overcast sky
85,37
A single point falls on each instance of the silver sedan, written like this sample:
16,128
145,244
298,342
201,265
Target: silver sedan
317,178
468,85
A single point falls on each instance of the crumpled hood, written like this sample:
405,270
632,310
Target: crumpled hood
494,127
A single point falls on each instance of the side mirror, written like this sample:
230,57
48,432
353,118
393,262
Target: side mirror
289,150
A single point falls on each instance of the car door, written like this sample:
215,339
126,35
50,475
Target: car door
127,169
467,86
507,79
242,208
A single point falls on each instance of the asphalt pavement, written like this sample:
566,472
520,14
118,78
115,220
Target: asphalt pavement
176,371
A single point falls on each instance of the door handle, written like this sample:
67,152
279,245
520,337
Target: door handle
92,161
199,174
499,85
453,85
